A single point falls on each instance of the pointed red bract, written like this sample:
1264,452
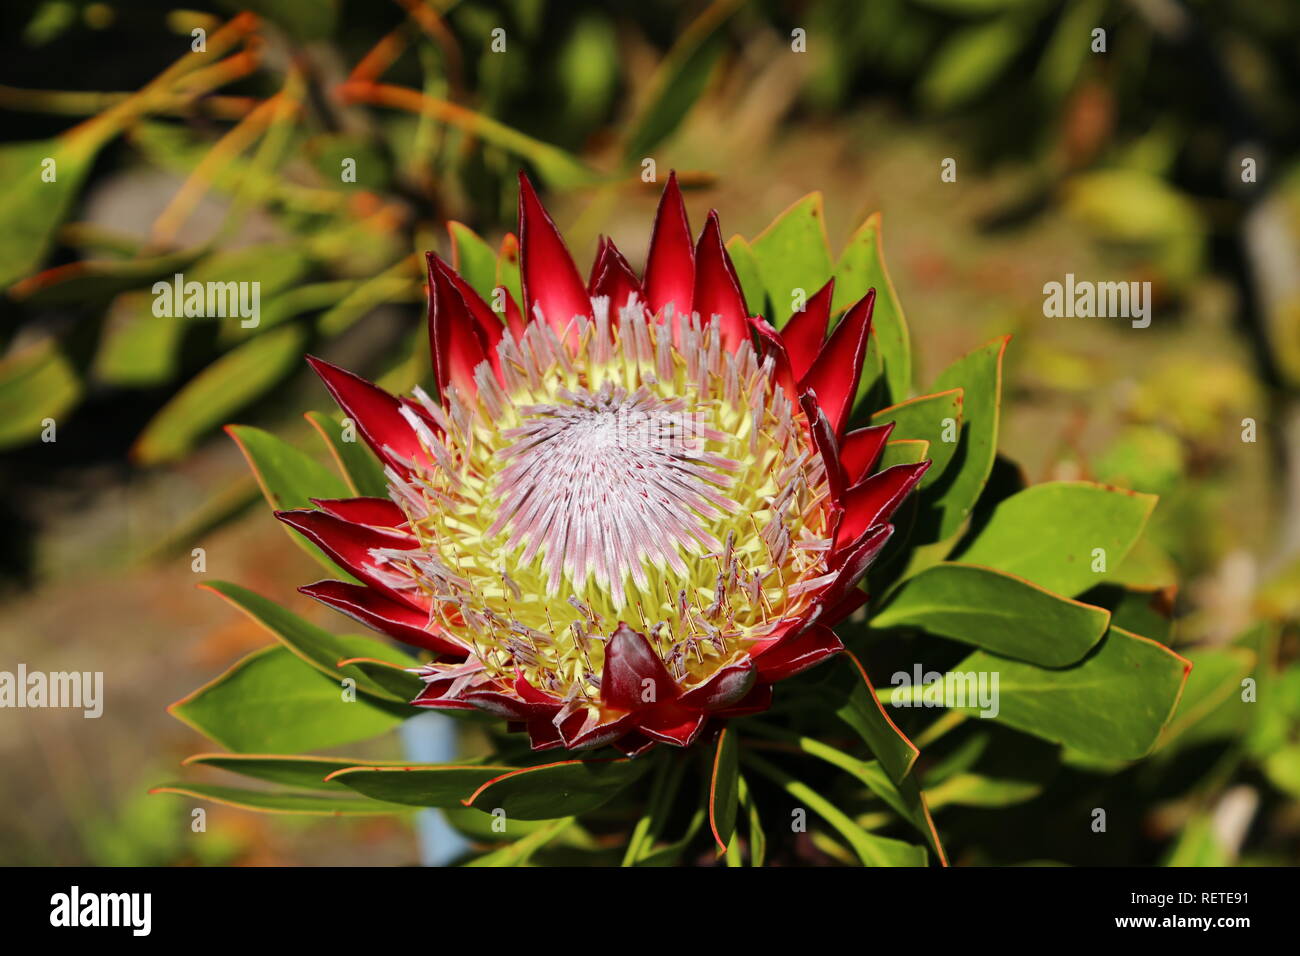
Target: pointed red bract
670,264
805,333
838,367
861,449
376,414
717,289
871,501
369,607
375,512
795,655
550,279
616,280
455,339
349,546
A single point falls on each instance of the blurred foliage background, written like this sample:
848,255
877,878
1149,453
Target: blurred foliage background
227,163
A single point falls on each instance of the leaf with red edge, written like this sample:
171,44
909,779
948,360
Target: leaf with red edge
724,788
793,253
930,418
289,478
863,711
472,258
862,267
564,788
264,801
996,611
424,785
317,647
1112,705
359,468
271,702
949,498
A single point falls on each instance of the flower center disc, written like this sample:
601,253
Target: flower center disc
636,473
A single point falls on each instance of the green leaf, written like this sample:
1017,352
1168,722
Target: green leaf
906,451
975,790
904,797
95,280
360,469
927,418
680,79
794,253
757,838
1282,767
1112,705
871,850
395,284
520,851
473,259
395,679
565,788
138,349
1048,533
508,276
36,382
228,384
289,479
724,788
1198,845
970,61
264,801
269,702
317,647
32,209
995,611
951,496
445,785
1211,706
861,709
861,268
289,770
751,281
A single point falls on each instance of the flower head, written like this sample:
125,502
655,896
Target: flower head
633,508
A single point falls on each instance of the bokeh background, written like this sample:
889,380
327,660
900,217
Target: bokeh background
1125,164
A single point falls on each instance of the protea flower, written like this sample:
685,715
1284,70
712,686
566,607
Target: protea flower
634,507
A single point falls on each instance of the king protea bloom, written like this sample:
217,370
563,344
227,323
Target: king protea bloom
634,506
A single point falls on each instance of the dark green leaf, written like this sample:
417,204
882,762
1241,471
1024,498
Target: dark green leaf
420,786
793,256
264,801
996,611
1113,705
565,788
724,788
861,268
